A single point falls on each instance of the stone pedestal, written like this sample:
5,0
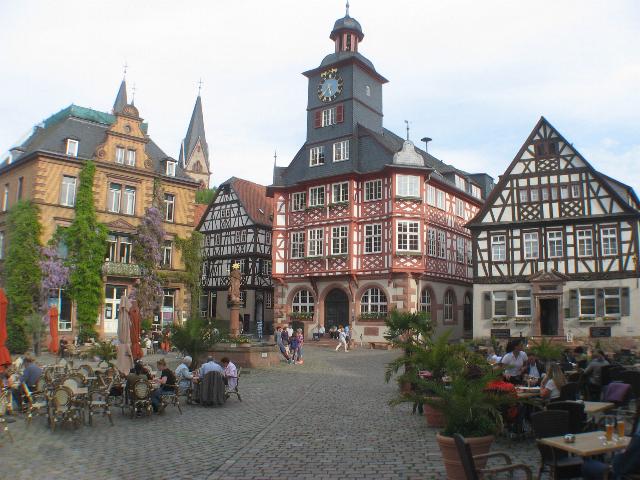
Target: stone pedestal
234,319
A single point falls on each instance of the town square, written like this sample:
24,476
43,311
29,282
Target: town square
283,239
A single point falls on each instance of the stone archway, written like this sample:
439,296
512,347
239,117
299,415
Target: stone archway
336,308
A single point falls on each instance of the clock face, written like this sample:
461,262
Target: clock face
330,85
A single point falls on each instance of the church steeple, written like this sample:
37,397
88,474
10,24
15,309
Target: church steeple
121,98
194,151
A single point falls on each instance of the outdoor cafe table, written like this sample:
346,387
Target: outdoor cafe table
591,408
587,444
528,392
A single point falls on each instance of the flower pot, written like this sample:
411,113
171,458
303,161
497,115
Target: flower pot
433,415
451,459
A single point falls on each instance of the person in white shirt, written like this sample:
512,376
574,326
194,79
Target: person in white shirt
230,373
342,340
514,363
290,330
553,382
183,375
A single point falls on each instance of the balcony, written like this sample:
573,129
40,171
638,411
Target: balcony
118,269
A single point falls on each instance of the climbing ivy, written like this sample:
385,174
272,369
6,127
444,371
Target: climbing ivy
191,250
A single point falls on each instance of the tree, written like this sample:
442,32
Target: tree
205,196
191,250
86,239
22,271
147,253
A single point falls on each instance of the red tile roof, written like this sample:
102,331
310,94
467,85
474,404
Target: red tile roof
254,200
199,212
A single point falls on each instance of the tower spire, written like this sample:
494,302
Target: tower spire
347,14
195,135
121,97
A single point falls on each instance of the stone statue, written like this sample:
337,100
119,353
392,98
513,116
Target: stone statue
234,284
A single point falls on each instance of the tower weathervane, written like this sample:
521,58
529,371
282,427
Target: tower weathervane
347,8
407,122
275,157
133,94
124,69
199,86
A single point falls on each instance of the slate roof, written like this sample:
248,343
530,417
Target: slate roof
194,132
121,98
346,23
89,128
372,153
253,198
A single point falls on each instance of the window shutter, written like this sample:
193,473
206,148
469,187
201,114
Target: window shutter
318,119
625,307
600,302
339,113
511,305
486,306
573,304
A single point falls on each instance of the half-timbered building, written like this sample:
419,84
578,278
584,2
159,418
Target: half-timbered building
556,246
365,222
237,229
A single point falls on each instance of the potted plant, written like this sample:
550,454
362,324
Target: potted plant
546,351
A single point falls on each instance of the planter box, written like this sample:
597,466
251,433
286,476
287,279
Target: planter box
247,355
451,459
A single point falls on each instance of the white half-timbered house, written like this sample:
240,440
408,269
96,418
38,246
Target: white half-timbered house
556,246
237,229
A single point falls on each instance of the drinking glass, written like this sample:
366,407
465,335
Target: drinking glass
620,428
609,429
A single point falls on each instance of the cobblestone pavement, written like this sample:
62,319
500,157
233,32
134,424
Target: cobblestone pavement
325,419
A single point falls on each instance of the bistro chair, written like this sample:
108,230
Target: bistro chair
570,391
85,370
139,398
98,402
234,391
63,409
577,417
5,404
553,423
473,473
33,404
632,377
170,397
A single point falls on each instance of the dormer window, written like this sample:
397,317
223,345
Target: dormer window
72,147
171,168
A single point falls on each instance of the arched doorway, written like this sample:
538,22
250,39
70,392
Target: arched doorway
468,315
336,309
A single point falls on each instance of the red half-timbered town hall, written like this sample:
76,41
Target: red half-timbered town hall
364,221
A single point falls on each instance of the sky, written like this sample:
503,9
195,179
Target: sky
475,76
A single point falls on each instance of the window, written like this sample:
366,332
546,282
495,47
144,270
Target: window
316,196
341,151
68,191
475,191
315,242
609,239
611,301
340,192
367,90
115,190
425,301
303,302
299,201
469,253
112,248
544,193
372,190
120,153
531,248
19,190
5,198
373,238
498,248
316,156
459,208
431,195
408,186
499,304
167,250
126,246
564,192
585,243
268,299
339,237
72,147
524,195
587,302
554,242
442,244
119,248
171,168
576,190
449,302
297,245
265,267
170,207
523,303
460,250
554,192
432,249
131,158
1,245
329,117
129,201
461,183
62,302
440,199
552,147
408,238
373,301
534,194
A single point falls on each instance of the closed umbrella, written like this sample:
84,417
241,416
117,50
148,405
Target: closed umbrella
5,358
53,328
134,316
124,360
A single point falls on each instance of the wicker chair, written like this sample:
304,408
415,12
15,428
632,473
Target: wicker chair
234,391
170,397
99,402
139,398
552,423
473,473
64,410
85,370
5,404
33,404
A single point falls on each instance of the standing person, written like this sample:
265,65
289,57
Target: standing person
280,344
593,373
514,363
342,340
285,341
300,337
293,348
290,330
166,345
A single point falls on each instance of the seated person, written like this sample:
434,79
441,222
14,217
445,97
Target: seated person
230,374
552,383
534,369
62,350
31,373
622,464
210,366
183,375
166,384
492,357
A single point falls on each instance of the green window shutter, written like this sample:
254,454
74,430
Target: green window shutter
486,306
600,302
574,308
625,303
511,304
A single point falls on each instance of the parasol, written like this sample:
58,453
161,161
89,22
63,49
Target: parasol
5,358
134,317
53,328
124,361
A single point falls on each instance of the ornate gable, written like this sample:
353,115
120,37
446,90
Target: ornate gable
121,225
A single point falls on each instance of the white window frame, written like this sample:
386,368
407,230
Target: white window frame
171,168
612,294
432,242
407,236
584,240
372,190
448,303
329,117
120,155
440,200
68,191
131,157
609,241
116,200
461,183
531,245
576,190
167,253
499,247
1,245
425,300
459,208
373,238
316,196
72,147
298,201
523,194
431,195
129,200
408,186
373,300
339,240
534,194
442,244
340,192
315,242
316,156
170,207
522,297
554,240
496,297
587,295
475,191
303,302
460,249
341,151
297,244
